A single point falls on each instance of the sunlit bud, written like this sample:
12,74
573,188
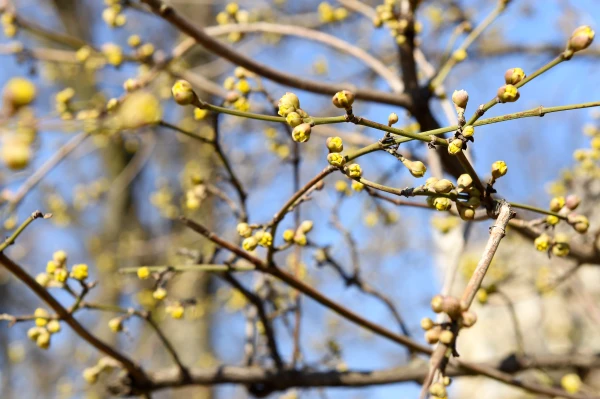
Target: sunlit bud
334,144
116,324
432,336
581,38
131,85
464,182
514,76
61,275
293,119
229,84
300,239
455,146
542,242
232,8
552,220
79,272
357,186
159,294
19,92
43,279
354,171
90,375
176,311
437,389
306,226
466,213
446,381
393,118
468,131
336,159
427,324
468,319
243,86
443,186
437,303
113,53
508,94
134,40
43,340
41,315
442,203
499,169
341,186
265,239
60,257
571,383
572,202
53,326
34,332
431,181
557,203
183,93
446,337
143,272
301,133
561,245
580,223
250,243
459,55
289,102
343,99
416,168
51,266
460,98
377,22
288,235
244,230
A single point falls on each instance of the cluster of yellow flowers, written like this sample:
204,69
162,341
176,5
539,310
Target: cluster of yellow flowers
386,14
239,89
45,326
57,272
9,25
105,364
232,15
298,237
113,16
328,13
253,240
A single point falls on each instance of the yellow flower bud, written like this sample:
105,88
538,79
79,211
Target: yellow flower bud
232,8
113,54
392,118
200,114
300,239
336,159
289,102
61,275
437,303
557,203
265,240
243,86
159,294
134,40
433,336
343,99
499,169
143,273
581,38
306,226
552,220
357,186
301,133
416,168
183,93
60,257
508,94
43,340
468,320
468,131
43,279
464,182
244,230
354,171
176,311
561,246
293,119
250,243
90,375
460,98
34,332
580,223
41,315
288,235
459,55
455,146
482,295
79,272
466,213
542,242
437,389
442,186
427,324
19,92
53,326
446,337
341,186
334,144
571,383
514,76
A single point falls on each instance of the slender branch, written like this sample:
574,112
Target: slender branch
190,268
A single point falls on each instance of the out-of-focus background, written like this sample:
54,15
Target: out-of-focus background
115,198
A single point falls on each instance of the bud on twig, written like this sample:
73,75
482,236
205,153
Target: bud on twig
183,93
514,76
508,94
581,38
343,99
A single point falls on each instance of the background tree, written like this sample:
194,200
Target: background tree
223,209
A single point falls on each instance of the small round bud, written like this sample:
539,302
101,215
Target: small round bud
438,390
561,246
581,38
460,98
244,230
508,94
288,235
431,181
442,204
571,383
464,182
468,131
427,324
459,55
115,324
336,159
301,133
90,375
416,168
514,76
334,144
481,295
41,315
289,102
443,186
446,337
265,239
143,272
393,118
306,226
542,242
250,243
468,319
34,332
433,336
343,99
176,311
43,340
580,223
79,272
300,239
183,93
53,326
552,220
455,146
446,381
354,171
293,119
466,213
499,169
437,303
357,186
572,202
60,257
19,92
557,203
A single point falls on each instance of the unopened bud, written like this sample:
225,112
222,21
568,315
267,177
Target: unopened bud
443,186
393,118
455,146
183,93
508,94
466,213
499,169
334,144
433,336
460,98
416,168
581,38
468,131
514,76
336,159
427,324
293,119
464,182
446,337
442,204
580,223
557,203
468,319
343,99
572,202
301,133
